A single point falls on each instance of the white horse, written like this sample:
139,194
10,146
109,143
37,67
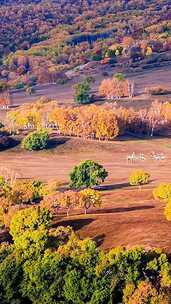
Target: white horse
158,156
142,157
133,157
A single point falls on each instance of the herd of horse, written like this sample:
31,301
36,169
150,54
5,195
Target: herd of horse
141,157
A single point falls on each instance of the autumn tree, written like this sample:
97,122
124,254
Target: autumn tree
162,192
116,87
146,293
68,200
89,198
139,177
31,219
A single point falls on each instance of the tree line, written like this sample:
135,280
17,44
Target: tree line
103,122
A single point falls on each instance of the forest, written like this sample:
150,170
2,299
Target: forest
85,152
47,38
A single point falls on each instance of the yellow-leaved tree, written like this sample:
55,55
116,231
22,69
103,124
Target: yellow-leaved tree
89,198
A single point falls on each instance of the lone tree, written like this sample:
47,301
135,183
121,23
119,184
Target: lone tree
87,174
89,198
82,92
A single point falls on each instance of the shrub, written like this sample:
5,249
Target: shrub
139,177
37,140
162,192
87,174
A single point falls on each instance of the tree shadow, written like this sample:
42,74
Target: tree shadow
12,144
99,239
112,187
142,137
123,209
53,142
5,236
76,224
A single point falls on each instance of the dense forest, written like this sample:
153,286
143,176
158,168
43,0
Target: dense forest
54,36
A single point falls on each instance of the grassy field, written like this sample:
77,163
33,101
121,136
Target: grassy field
129,216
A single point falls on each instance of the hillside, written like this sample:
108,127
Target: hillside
40,40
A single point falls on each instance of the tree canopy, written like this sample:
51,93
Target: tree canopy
87,174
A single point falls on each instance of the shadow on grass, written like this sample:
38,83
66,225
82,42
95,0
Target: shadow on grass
122,209
12,144
76,224
112,187
121,186
142,137
99,239
5,236
53,142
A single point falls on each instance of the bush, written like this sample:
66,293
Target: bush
162,192
37,140
87,174
139,177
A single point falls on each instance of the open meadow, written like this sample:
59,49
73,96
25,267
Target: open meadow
129,216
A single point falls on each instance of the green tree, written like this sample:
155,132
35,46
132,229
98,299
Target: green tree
87,174
82,92
31,243
37,140
44,279
10,280
119,76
